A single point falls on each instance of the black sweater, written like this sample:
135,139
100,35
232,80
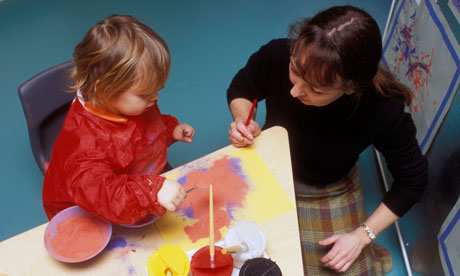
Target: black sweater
326,141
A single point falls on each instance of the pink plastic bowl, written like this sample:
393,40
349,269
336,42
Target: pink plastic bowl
51,231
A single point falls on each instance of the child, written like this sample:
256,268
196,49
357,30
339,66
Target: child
113,144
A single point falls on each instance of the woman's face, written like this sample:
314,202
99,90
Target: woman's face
308,95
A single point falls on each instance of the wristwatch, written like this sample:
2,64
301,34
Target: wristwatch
370,233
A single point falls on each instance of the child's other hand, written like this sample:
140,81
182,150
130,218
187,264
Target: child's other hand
171,195
184,133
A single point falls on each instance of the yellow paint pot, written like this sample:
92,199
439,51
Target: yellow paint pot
168,257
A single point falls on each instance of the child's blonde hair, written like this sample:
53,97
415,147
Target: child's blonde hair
117,54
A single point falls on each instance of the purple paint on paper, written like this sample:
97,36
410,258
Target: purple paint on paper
116,243
230,208
188,212
236,167
182,180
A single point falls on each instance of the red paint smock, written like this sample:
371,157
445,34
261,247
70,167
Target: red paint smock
107,164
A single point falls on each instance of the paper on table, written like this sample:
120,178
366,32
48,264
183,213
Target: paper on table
244,189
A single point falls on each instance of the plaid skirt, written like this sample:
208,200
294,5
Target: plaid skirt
332,209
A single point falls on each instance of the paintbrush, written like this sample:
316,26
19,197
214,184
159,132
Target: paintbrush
211,228
254,103
194,189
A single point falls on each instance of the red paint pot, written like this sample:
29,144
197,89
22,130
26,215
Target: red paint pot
201,265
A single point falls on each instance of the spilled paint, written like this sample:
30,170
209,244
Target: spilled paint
117,243
122,249
229,190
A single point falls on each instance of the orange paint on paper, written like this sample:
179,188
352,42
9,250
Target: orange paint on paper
229,190
243,187
78,238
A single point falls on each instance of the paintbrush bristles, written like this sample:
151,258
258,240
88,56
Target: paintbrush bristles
211,227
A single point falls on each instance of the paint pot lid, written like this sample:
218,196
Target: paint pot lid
77,220
201,265
147,220
249,234
168,257
260,266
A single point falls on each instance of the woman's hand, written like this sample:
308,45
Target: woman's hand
184,133
241,135
171,195
345,250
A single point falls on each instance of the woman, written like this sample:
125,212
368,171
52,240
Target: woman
325,86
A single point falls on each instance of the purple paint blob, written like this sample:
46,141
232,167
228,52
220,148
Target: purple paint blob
188,212
182,180
132,270
117,243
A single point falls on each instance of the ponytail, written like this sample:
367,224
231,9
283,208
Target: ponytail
387,86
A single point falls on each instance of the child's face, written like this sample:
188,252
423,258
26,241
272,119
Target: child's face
309,95
133,103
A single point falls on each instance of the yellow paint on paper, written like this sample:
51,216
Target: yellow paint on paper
265,200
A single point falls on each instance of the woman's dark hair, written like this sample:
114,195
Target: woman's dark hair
341,47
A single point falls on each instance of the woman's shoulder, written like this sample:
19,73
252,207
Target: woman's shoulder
385,105
280,45
270,57
383,110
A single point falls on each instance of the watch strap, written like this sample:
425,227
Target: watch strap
369,232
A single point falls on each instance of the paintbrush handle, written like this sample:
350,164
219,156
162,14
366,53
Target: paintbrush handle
211,227
232,249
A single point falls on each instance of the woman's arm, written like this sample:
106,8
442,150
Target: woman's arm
347,247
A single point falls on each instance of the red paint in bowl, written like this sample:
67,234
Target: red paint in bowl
201,265
74,235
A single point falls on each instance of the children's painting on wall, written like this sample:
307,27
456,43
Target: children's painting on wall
421,51
235,178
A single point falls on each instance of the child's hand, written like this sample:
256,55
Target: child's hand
184,133
171,195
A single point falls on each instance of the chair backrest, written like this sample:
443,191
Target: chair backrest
46,100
